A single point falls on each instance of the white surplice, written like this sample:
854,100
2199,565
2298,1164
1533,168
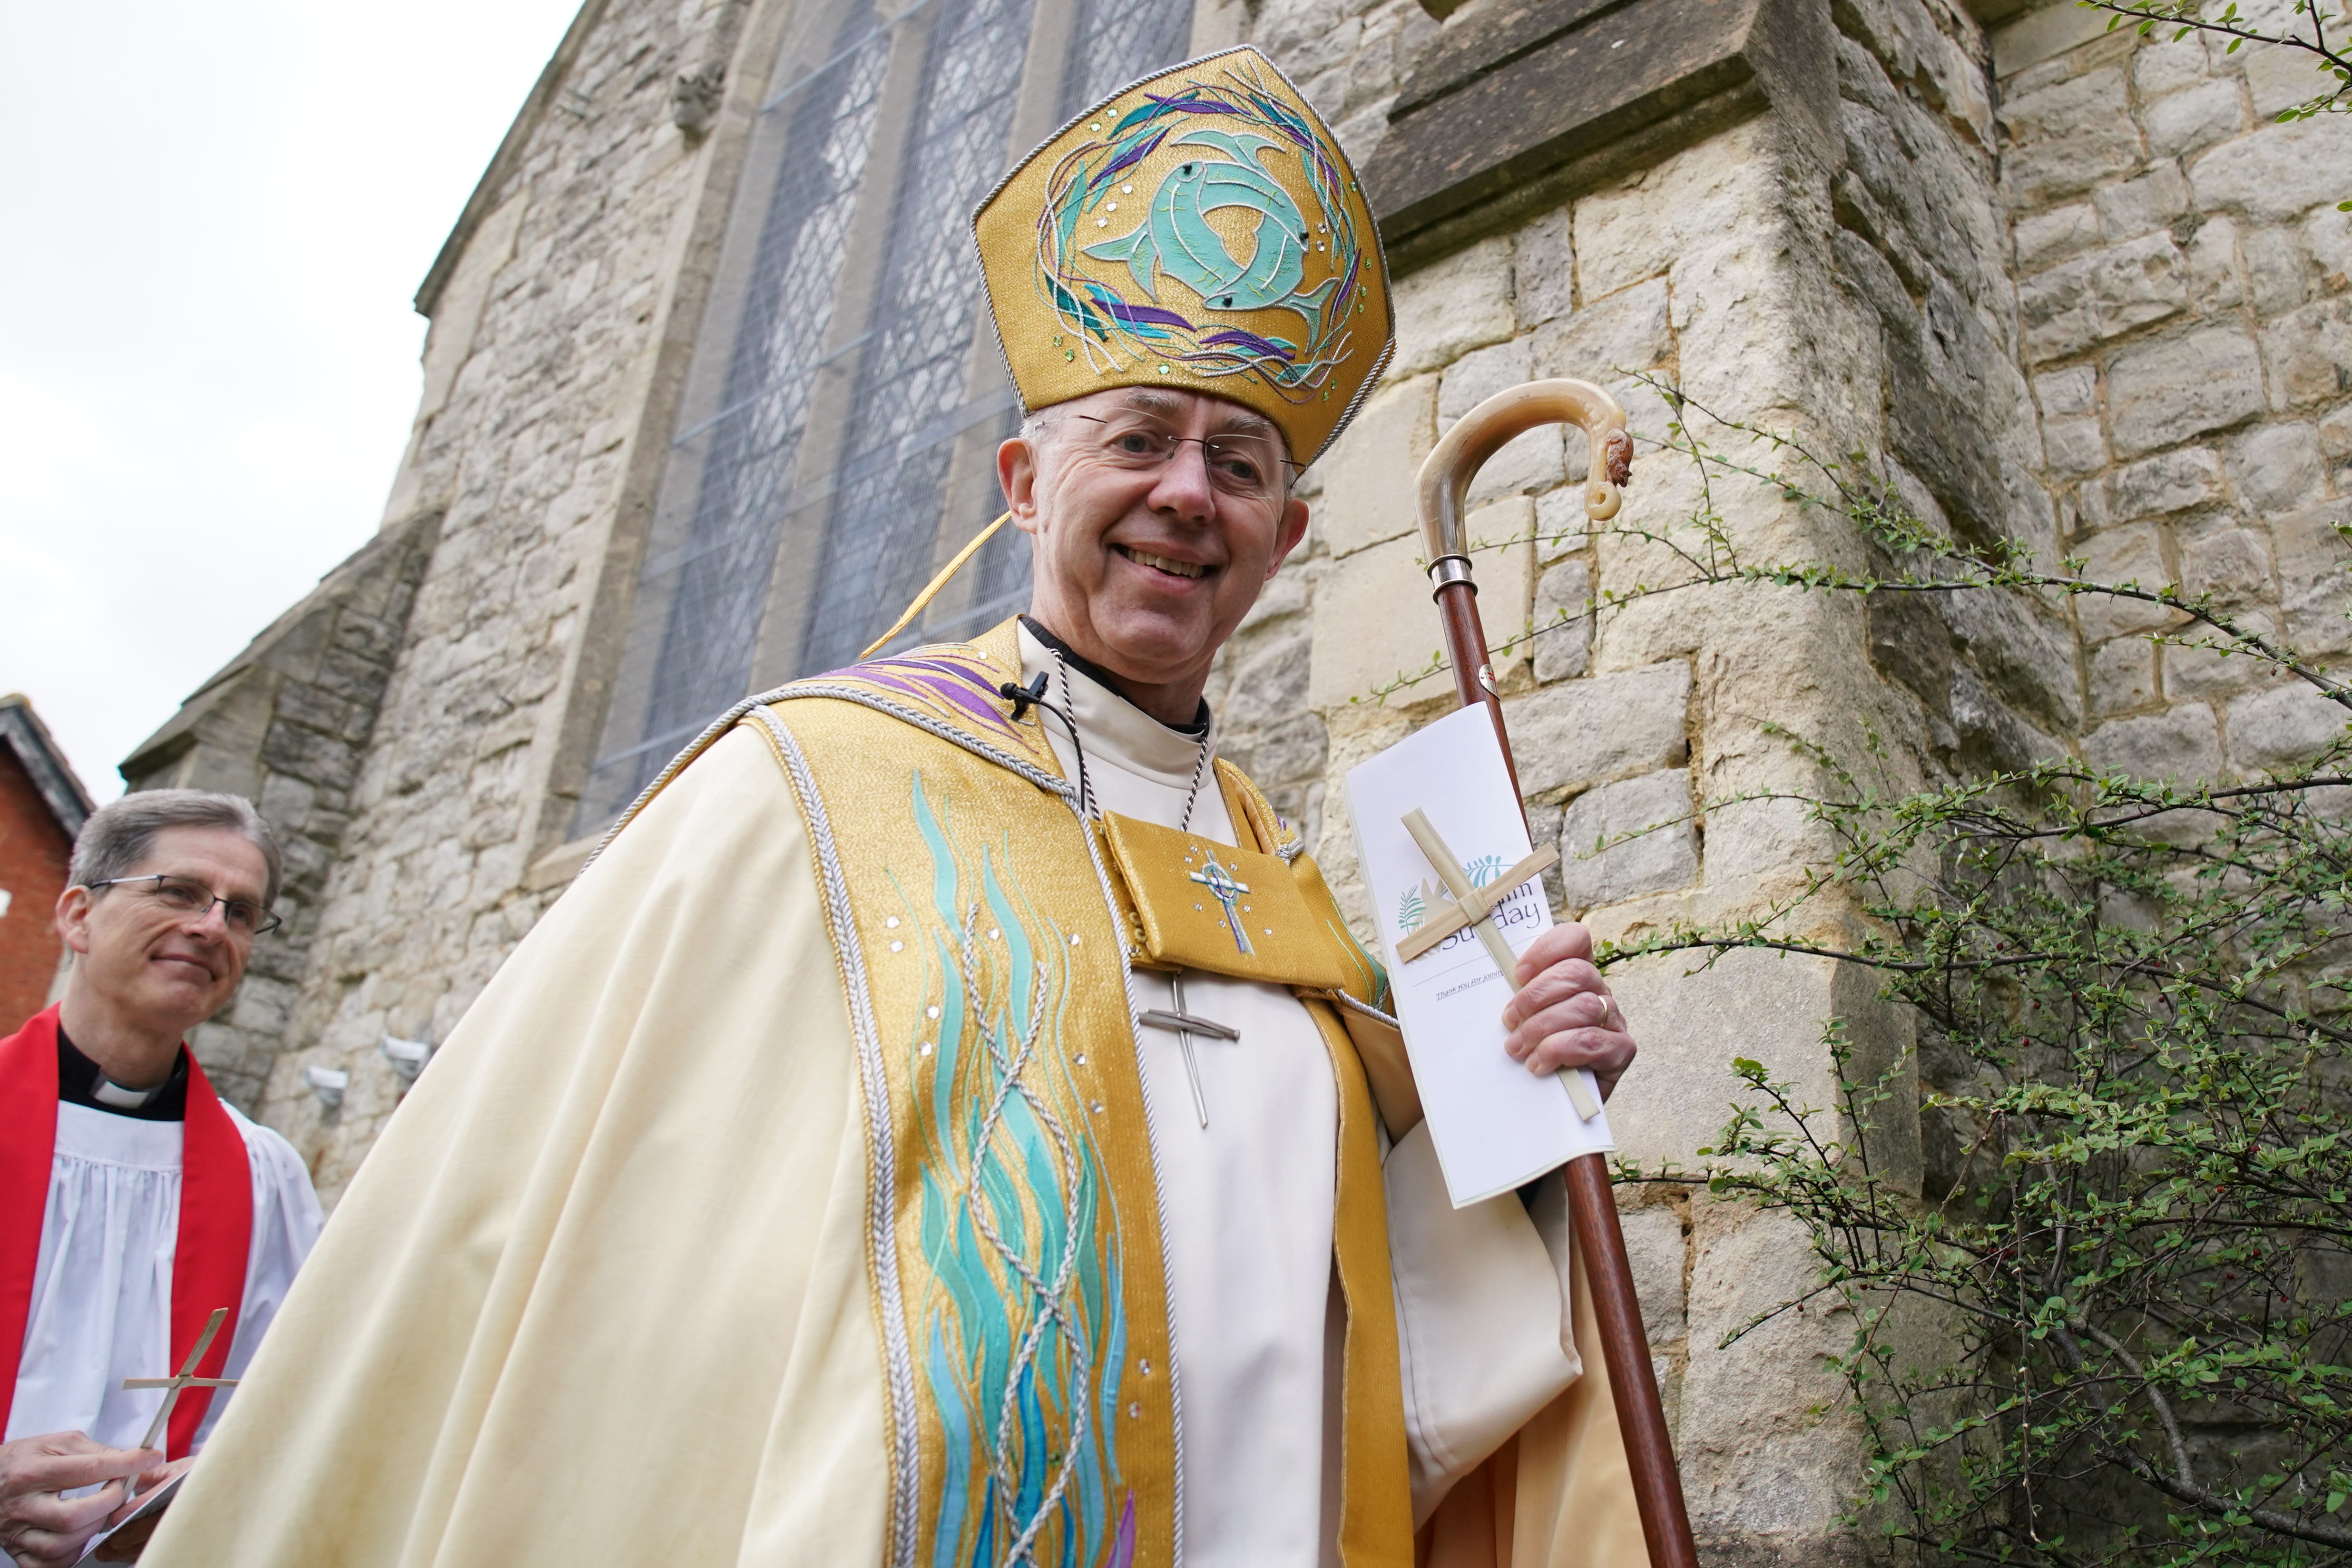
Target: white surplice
101,1309
1482,1293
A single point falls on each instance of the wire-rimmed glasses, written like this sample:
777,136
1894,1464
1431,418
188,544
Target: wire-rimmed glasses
185,895
1248,465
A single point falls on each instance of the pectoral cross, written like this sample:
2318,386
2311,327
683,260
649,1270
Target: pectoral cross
174,1386
1188,1025
1221,882
1475,907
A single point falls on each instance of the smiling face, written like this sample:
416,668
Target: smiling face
151,969
1146,570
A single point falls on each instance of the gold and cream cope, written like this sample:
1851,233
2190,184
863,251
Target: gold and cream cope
986,931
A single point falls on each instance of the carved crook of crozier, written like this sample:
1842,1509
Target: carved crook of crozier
1445,474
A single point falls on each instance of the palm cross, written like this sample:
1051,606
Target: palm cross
1221,882
187,1379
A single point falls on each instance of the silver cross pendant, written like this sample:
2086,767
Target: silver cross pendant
1187,1024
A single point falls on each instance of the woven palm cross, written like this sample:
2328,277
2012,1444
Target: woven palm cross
174,1386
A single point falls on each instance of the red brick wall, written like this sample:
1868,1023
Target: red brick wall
32,854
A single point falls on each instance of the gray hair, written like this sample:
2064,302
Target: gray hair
117,838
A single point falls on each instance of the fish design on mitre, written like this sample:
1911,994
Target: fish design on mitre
1175,235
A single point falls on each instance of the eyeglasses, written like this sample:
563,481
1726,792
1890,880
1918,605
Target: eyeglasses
1246,464
189,897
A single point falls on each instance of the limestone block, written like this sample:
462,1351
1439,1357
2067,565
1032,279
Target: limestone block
2043,35
1529,462
2310,354
2022,645
1373,621
1563,621
2123,677
2216,275
2274,730
2101,295
1543,269
2284,78
2074,446
1625,331
2232,564
1604,727
285,803
2053,235
2162,66
2182,746
2278,468
2168,482
1562,525
2167,391
1368,479
2209,672
1271,686
2191,121
2069,137
1764,1476
1284,596
2327,235
2274,270
2072,391
1638,230
2123,557
1653,1245
1446,310
2276,173
1597,868
2335,432
2143,204
1769,1007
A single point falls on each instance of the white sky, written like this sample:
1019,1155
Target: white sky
214,219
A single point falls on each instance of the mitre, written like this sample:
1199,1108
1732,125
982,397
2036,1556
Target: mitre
1201,230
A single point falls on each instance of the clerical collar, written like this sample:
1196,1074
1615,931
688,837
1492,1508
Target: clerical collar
79,1082
1109,682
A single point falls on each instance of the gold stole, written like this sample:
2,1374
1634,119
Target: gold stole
1014,1237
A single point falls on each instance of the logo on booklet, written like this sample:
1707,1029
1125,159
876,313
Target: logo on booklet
1413,909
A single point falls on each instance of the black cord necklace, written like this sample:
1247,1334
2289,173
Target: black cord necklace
1068,714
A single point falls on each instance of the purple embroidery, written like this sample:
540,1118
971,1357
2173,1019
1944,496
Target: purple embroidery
939,680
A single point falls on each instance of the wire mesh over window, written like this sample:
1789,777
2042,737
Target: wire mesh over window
837,435
1117,43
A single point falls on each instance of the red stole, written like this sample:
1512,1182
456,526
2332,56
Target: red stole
208,1261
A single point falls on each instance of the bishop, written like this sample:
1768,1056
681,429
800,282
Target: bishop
814,1183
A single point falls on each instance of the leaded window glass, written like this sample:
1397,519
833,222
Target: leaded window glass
837,433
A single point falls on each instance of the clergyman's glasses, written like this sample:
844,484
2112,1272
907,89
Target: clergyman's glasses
187,896
1246,465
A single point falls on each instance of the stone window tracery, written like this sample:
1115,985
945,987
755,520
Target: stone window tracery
836,436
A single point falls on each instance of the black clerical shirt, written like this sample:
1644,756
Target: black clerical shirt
78,1078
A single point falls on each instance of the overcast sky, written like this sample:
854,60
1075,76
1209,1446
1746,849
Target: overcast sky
215,217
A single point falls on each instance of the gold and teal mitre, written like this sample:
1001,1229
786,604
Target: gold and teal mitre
1201,230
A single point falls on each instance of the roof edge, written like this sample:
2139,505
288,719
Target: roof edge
61,789
509,154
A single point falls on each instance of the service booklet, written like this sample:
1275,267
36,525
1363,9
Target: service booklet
1496,1125
126,1540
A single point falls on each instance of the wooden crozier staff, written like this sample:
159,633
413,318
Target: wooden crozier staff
1445,480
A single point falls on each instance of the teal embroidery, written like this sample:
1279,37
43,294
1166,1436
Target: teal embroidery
1022,1334
1222,883
1175,233
1252,133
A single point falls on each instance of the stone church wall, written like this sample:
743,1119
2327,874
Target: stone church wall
549,334
2064,289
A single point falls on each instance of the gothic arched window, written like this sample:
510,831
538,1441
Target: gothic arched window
838,432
